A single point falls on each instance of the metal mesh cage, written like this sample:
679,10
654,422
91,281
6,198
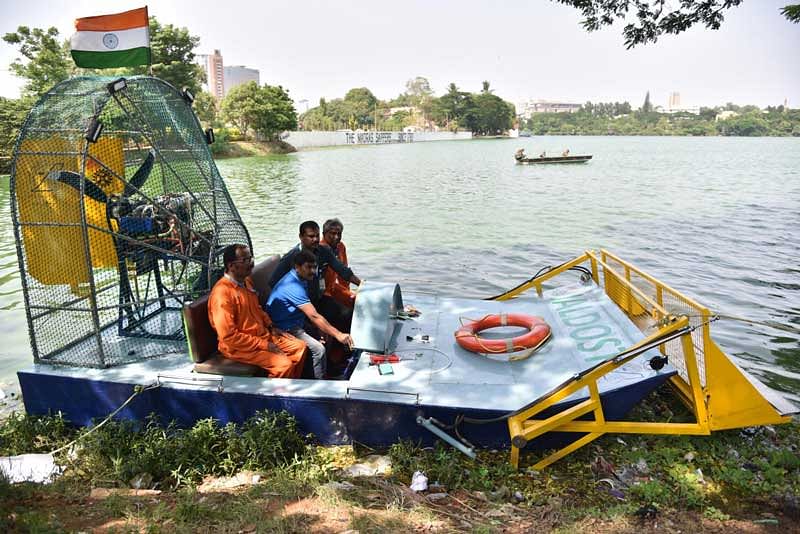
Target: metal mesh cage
120,217
652,303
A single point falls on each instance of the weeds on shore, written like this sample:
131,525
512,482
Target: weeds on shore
728,474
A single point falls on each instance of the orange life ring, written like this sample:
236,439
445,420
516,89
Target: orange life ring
538,332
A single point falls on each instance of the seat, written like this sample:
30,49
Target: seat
262,272
202,339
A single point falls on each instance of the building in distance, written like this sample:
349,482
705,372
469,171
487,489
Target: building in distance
528,108
237,75
674,106
215,73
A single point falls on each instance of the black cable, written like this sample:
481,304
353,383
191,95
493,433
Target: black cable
541,271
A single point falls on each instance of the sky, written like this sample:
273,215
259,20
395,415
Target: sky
526,49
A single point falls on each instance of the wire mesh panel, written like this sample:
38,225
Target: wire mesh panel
651,304
120,216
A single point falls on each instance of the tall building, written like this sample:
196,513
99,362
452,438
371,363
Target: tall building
239,74
215,75
674,101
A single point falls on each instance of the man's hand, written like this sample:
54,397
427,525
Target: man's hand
345,340
356,280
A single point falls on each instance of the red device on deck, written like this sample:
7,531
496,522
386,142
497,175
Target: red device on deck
375,359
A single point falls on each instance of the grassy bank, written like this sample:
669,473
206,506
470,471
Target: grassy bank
264,476
240,149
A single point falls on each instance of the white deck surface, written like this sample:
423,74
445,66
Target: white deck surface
587,328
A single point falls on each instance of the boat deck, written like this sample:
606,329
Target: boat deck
587,327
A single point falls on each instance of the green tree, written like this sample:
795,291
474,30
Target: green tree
749,125
361,106
655,18
266,110
452,103
418,90
46,62
205,106
791,12
12,115
172,51
647,107
494,116
278,113
708,114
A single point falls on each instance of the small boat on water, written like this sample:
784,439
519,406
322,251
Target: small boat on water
121,326
553,159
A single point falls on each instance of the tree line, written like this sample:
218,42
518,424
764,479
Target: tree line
482,113
618,119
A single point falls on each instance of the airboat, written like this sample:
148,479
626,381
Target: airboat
120,217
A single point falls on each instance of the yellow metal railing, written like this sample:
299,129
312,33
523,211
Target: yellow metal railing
717,391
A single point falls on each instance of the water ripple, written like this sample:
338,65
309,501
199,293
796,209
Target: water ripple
714,217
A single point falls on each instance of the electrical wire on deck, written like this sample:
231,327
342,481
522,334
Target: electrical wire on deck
544,270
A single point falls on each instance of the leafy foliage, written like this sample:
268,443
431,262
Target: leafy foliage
172,50
482,113
647,107
205,106
617,119
792,12
21,434
47,60
12,116
653,18
266,110
122,451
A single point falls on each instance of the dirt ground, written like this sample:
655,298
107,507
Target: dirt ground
370,505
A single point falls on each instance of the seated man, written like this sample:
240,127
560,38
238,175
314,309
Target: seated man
245,333
520,154
337,301
309,241
290,306
337,292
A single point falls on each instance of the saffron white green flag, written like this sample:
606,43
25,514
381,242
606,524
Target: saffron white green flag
106,41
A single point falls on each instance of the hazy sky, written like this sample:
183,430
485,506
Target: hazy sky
532,49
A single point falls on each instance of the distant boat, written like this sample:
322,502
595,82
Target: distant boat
524,133
554,159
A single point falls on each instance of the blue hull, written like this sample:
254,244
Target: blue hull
333,421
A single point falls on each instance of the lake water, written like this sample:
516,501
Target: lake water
716,218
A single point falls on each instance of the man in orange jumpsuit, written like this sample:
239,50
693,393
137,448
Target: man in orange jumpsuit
245,332
336,287
337,301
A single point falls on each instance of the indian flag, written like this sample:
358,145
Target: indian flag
106,41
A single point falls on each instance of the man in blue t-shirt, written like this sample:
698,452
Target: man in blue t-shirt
289,307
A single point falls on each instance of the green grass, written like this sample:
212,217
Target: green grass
728,474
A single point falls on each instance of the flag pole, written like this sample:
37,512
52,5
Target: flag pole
150,55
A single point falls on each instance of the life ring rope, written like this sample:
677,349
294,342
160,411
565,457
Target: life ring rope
538,332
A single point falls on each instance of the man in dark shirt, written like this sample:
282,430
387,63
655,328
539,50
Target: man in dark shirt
309,240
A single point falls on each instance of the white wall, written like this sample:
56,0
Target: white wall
316,139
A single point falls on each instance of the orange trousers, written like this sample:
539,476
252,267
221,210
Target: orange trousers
286,365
